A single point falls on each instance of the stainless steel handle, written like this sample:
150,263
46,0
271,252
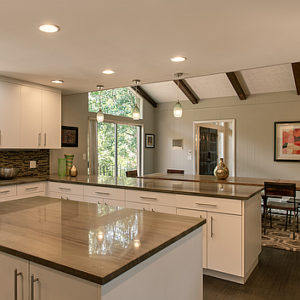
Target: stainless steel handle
39,139
32,281
16,274
206,204
102,193
65,189
45,139
32,188
211,227
4,192
148,198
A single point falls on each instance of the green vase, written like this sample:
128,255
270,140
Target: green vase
61,167
69,163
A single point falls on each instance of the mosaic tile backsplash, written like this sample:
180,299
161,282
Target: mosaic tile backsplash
20,159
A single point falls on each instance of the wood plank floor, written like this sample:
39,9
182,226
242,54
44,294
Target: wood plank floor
277,276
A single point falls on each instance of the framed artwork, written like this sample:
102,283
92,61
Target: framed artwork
69,136
287,141
149,140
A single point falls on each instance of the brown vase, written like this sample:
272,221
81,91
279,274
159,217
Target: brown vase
73,171
221,171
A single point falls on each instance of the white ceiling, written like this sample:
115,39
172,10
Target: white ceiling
136,38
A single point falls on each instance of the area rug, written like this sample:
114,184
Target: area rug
278,237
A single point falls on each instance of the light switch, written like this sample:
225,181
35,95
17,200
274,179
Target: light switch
189,155
32,164
84,156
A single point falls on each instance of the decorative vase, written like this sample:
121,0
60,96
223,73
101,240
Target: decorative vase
69,163
73,171
221,171
61,167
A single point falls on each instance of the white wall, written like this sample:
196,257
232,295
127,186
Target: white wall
75,113
255,119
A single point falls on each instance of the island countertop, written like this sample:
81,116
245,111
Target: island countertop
212,189
95,242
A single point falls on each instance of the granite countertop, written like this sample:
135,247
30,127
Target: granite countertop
218,190
95,242
22,180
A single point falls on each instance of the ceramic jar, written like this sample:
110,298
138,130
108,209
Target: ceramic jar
221,171
69,163
73,171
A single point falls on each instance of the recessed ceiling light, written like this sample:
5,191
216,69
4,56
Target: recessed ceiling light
49,28
178,59
108,72
57,81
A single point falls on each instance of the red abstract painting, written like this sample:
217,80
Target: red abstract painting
291,141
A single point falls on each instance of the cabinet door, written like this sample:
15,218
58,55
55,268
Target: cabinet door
112,202
224,245
51,120
10,97
136,205
164,209
31,117
197,214
51,284
13,271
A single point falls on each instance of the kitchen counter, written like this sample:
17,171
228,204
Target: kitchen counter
22,180
91,241
209,189
249,181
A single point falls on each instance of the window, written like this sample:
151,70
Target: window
115,144
117,102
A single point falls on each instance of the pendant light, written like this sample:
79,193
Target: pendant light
136,114
100,114
177,109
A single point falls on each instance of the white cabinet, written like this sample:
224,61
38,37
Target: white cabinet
51,120
224,243
14,278
10,95
31,189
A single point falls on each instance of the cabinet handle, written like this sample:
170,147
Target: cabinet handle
65,189
211,227
32,281
4,192
206,204
39,139
45,139
32,188
148,198
16,274
102,193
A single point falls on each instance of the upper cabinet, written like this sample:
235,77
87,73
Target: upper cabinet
30,118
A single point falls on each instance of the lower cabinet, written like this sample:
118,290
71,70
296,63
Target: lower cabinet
23,280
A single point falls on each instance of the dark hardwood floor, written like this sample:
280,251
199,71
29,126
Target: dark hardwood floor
277,276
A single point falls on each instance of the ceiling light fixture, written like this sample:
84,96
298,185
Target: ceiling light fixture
177,109
100,114
59,81
108,72
136,114
49,28
178,59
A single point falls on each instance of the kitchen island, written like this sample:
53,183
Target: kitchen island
63,250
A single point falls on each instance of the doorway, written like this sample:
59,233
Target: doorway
214,140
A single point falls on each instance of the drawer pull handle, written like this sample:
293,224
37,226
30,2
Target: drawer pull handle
65,189
32,188
148,198
16,274
33,280
211,227
102,193
5,192
206,204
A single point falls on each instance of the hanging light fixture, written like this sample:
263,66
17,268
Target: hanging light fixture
100,114
177,109
136,114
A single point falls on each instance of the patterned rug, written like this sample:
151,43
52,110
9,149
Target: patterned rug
278,237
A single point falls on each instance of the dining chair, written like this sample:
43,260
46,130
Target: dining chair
174,171
132,173
279,190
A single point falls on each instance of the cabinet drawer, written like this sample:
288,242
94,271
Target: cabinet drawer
209,204
151,198
65,188
103,192
8,191
120,203
30,188
65,196
163,209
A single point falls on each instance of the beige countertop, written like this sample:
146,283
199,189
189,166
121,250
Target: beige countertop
95,242
22,180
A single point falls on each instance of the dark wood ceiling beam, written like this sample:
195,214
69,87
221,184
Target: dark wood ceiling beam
296,72
187,90
236,85
144,95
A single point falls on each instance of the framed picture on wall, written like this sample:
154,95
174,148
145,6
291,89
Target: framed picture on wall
149,140
69,136
287,141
